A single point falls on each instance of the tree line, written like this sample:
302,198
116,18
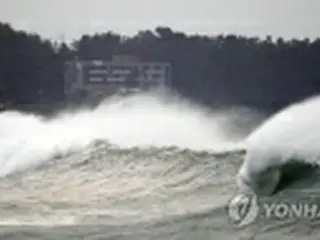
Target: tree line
216,70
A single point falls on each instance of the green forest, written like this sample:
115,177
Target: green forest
228,70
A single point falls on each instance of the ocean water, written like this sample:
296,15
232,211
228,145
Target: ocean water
154,167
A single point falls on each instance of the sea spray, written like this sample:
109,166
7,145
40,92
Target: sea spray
140,120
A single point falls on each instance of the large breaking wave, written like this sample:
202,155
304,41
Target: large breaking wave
135,175
292,135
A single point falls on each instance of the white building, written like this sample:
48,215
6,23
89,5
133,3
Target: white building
95,79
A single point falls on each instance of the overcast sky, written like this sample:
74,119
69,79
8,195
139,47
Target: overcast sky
69,19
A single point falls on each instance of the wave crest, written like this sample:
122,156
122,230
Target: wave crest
291,135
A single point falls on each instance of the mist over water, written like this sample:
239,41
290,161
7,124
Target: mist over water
142,120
